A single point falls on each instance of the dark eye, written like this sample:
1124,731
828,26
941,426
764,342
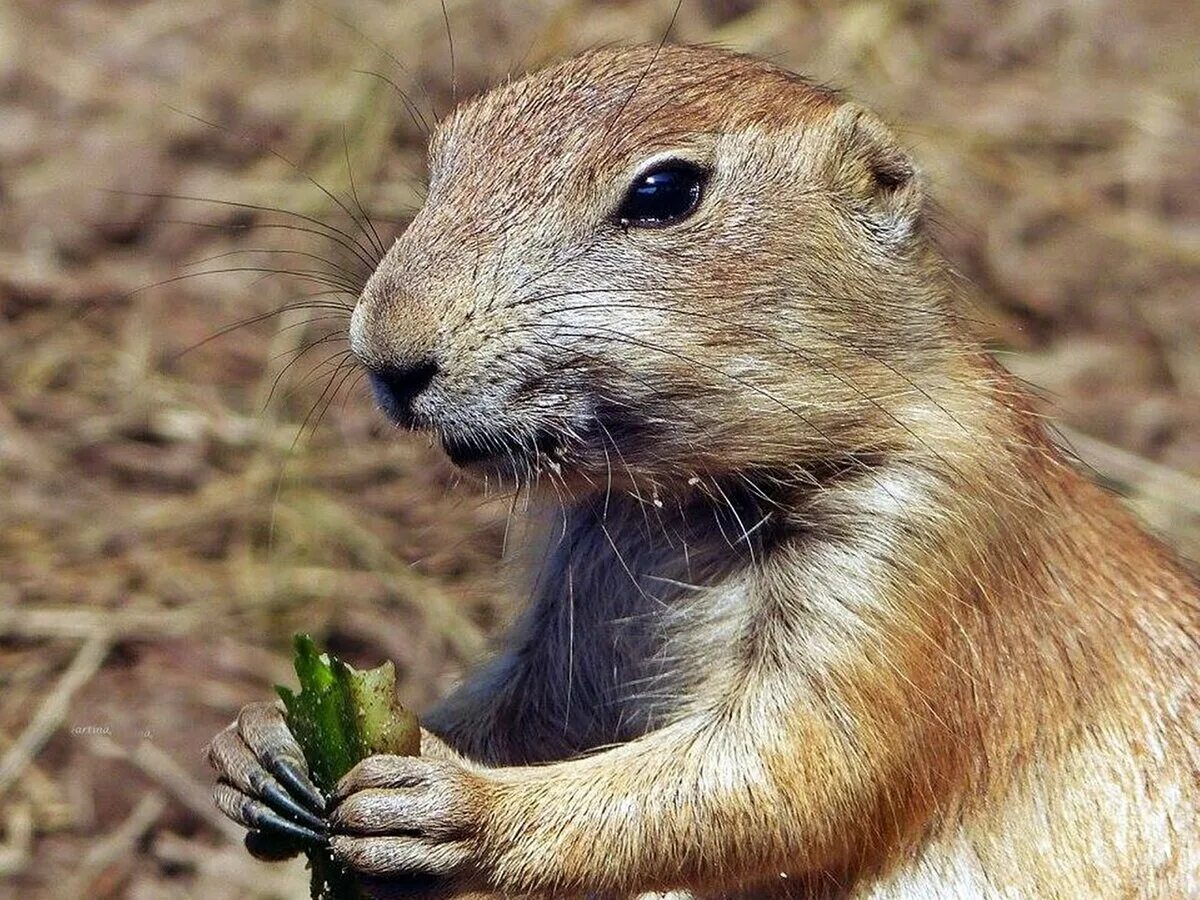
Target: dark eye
668,193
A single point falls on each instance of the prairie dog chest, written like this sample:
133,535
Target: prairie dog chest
630,605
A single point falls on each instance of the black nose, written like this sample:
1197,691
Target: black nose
396,387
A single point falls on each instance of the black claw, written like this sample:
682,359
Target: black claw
281,801
263,818
271,847
297,782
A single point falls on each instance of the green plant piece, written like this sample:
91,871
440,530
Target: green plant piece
340,716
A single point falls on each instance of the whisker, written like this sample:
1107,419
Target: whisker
333,233
453,66
351,277
314,276
620,338
811,360
287,307
365,38
362,373
309,375
234,226
354,193
653,59
300,170
330,336
414,113
351,368
317,404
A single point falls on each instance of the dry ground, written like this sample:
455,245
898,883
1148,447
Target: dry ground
163,531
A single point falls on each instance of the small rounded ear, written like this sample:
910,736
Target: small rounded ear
871,165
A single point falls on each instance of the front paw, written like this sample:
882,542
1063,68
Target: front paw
410,825
263,784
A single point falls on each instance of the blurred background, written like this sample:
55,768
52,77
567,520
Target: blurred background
175,501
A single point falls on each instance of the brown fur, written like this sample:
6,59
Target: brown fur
821,611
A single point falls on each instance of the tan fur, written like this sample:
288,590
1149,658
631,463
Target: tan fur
821,611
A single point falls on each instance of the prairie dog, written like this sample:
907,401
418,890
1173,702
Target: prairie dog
822,611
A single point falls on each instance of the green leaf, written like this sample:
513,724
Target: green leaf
339,717
383,724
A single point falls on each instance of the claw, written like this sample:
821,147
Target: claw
263,818
281,801
257,816
271,847
294,778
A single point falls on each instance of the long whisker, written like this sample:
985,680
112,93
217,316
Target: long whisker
323,339
279,310
840,340
311,321
350,368
365,38
235,226
415,114
300,170
354,194
362,373
876,302
453,65
320,399
811,360
316,277
335,234
341,354
336,270
653,59
618,337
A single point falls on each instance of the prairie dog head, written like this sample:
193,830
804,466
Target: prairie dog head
657,264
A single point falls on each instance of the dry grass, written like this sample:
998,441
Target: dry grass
162,531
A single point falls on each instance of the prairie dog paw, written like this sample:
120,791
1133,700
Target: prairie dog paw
410,822
263,783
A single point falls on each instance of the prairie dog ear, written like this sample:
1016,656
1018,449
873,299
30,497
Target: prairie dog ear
872,166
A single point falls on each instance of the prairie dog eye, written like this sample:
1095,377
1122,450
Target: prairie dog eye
667,193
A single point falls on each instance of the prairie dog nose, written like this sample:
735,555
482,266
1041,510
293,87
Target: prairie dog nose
393,327
398,386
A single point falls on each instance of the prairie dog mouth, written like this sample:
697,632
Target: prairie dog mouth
542,447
